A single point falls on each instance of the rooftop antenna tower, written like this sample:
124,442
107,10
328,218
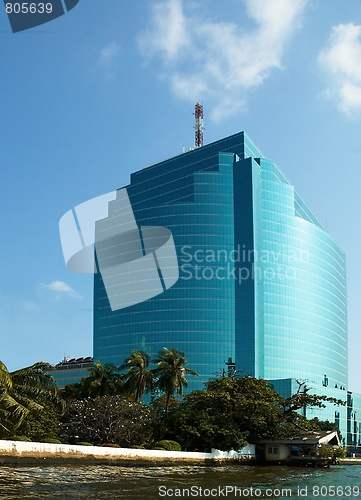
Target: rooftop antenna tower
198,114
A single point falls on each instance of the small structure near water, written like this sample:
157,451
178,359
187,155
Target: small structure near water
299,450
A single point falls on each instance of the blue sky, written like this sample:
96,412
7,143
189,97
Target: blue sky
110,87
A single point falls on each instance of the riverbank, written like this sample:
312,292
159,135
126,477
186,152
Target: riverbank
23,453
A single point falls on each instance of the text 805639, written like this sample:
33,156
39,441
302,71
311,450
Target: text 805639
335,491
26,7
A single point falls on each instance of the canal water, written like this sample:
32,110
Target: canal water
141,483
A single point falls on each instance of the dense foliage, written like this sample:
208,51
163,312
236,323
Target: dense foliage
226,415
102,380
107,419
232,412
105,408
44,425
23,393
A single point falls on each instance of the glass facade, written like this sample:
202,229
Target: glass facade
295,275
261,282
192,195
354,421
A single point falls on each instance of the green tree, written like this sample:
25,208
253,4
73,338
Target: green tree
103,380
43,425
107,419
19,394
12,413
325,425
72,391
226,415
303,399
158,405
170,374
138,377
293,423
233,411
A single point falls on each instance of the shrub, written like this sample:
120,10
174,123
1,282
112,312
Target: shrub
111,445
20,438
51,441
328,451
340,452
84,443
137,447
168,445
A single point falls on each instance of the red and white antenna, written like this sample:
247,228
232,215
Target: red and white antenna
198,114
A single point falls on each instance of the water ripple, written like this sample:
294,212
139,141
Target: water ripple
135,483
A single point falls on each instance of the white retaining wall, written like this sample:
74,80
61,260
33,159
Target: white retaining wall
23,448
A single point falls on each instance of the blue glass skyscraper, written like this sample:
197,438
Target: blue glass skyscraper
260,286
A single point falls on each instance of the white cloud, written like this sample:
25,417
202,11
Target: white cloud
341,59
220,61
108,60
61,287
30,306
109,53
108,56
171,34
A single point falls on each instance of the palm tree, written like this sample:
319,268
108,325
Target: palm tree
139,378
19,391
170,373
12,413
103,380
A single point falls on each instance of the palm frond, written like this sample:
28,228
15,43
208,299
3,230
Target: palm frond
21,391
5,378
